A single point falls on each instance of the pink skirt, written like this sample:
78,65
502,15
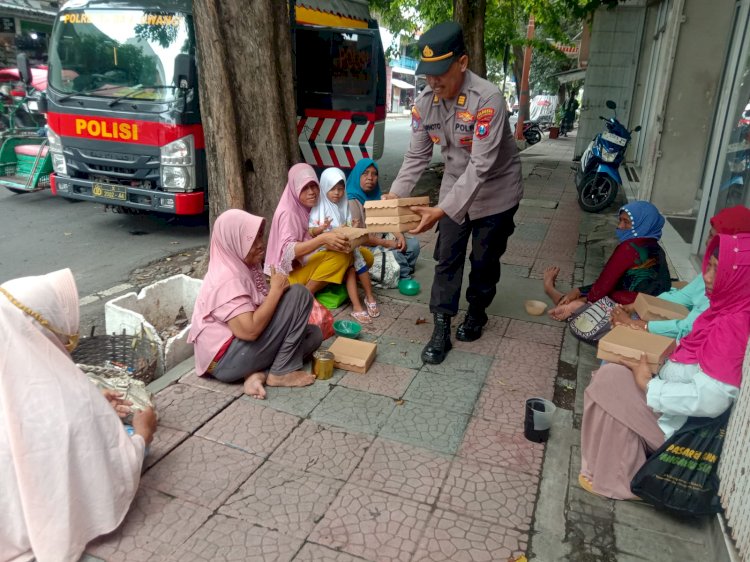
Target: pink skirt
618,431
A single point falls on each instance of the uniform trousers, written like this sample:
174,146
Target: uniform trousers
282,346
489,239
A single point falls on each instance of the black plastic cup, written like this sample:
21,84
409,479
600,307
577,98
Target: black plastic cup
538,419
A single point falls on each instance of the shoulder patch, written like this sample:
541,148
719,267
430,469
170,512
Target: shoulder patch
485,114
465,116
416,119
482,129
461,101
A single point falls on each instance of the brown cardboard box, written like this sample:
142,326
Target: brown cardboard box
623,342
394,207
392,224
356,236
654,308
353,355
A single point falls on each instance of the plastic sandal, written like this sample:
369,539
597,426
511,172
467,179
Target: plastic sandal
362,317
372,309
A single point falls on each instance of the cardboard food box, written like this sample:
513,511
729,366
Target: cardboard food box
394,207
353,355
402,223
356,236
654,308
623,342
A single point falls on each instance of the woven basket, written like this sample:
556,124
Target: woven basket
136,354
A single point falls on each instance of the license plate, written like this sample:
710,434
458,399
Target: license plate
614,139
109,191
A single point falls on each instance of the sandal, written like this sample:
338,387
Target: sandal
362,317
372,309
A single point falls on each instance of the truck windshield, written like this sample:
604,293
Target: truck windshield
113,53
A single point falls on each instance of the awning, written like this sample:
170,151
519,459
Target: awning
570,75
356,9
401,84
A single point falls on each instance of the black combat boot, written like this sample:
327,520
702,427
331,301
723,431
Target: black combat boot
471,328
440,342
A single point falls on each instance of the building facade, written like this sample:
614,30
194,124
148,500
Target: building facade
25,26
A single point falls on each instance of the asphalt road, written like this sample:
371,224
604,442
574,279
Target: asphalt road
40,233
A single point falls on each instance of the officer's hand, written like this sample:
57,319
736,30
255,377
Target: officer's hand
389,196
429,215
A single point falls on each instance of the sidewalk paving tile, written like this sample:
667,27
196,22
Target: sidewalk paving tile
504,407
202,471
517,259
377,326
385,380
396,351
154,526
297,401
425,426
224,538
450,392
450,537
372,525
315,553
283,498
491,335
534,332
165,439
489,442
491,493
328,451
564,278
187,408
353,410
402,470
528,353
248,426
463,365
528,379
519,247
210,383
414,330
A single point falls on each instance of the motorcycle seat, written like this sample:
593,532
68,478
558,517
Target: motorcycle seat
30,150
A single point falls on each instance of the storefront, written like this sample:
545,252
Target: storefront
726,179
25,28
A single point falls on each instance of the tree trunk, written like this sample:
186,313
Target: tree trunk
247,102
517,74
470,15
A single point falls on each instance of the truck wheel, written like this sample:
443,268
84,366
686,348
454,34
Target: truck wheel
598,191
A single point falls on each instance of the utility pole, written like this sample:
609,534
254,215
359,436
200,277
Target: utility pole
523,103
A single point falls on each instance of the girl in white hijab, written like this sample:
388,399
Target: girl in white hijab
332,211
68,469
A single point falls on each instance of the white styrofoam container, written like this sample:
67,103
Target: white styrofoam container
155,309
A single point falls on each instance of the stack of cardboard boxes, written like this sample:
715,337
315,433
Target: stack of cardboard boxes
393,215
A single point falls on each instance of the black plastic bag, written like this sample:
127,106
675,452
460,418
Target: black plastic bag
681,476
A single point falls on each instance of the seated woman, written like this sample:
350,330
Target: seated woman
637,265
292,250
332,211
362,186
68,468
241,327
627,413
733,220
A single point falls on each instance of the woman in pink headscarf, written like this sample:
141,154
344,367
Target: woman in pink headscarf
627,413
292,245
242,328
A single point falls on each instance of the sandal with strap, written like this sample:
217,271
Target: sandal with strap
372,309
362,317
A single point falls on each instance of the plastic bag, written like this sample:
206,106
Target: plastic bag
591,322
681,476
332,296
385,271
322,318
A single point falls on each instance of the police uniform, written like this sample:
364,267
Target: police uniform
481,186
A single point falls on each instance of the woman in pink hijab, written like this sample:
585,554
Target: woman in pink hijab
627,413
68,469
291,245
242,328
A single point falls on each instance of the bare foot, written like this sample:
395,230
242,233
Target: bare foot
550,277
295,378
254,386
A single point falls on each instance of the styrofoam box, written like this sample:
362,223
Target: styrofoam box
155,308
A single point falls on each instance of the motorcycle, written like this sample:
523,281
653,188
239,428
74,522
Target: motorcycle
597,176
531,132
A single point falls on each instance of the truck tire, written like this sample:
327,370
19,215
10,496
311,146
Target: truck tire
597,192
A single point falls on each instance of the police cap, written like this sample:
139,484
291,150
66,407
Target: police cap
439,47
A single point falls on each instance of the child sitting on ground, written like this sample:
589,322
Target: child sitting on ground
332,211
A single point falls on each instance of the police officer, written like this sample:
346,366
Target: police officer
467,117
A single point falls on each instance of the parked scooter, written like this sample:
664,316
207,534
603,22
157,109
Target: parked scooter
531,132
597,177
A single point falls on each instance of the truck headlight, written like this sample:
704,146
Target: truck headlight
176,178
56,150
59,164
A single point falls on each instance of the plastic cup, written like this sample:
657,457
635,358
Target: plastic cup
538,419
